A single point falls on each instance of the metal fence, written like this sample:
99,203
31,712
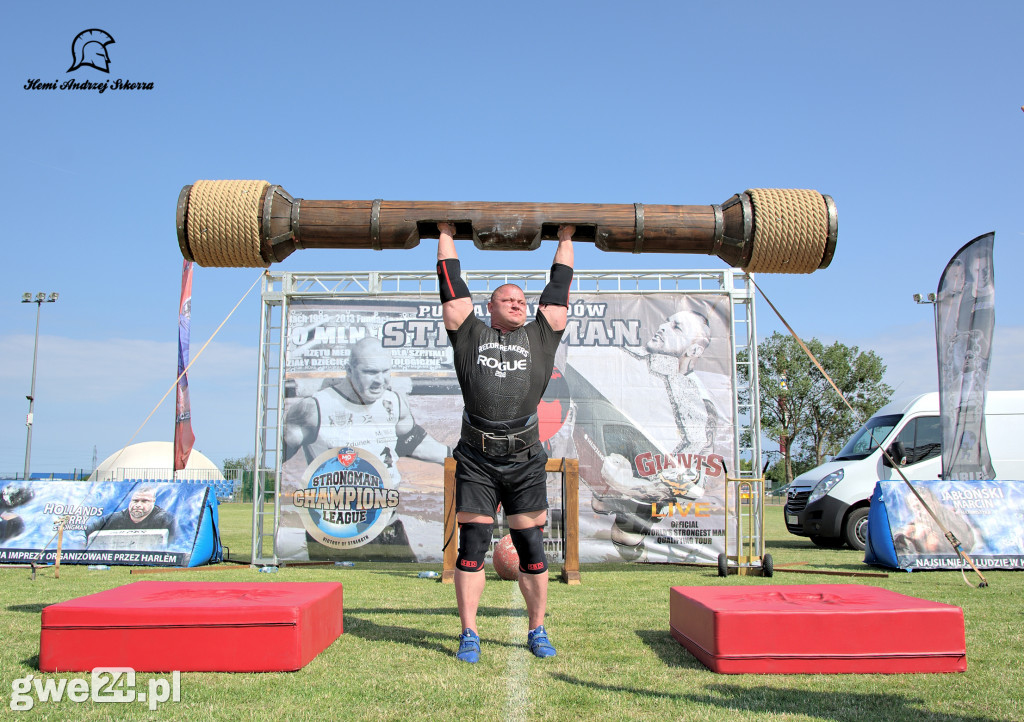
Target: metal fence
228,485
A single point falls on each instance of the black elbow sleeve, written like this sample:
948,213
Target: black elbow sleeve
556,293
449,280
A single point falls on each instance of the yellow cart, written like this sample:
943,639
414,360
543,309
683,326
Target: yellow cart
750,559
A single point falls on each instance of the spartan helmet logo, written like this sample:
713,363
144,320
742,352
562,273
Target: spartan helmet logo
90,48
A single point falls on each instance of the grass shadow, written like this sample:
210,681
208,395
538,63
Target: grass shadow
801,543
669,651
28,608
443,643
762,700
827,705
483,611
654,693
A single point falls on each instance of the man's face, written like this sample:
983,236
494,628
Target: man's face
954,281
980,270
674,337
507,308
141,505
370,374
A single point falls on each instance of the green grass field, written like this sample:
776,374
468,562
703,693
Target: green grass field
616,659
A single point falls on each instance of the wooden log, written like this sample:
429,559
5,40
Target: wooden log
286,224
570,469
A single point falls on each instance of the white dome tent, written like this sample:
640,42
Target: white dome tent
154,461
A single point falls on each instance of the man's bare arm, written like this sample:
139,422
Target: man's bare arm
456,308
302,423
555,312
413,439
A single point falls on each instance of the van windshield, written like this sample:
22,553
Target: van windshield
870,436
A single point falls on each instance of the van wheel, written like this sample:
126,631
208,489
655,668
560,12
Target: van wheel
826,542
856,530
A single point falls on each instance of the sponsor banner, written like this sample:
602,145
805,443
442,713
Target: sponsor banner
114,522
984,515
964,322
641,394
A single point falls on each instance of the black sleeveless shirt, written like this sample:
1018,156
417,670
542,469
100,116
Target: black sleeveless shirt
503,375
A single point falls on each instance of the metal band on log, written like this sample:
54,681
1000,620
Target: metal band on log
254,224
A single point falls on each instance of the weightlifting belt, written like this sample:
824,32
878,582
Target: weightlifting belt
501,442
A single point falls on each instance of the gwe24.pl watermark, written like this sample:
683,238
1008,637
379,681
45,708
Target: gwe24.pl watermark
105,684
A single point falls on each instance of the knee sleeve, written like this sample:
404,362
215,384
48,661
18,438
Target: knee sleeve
474,540
529,544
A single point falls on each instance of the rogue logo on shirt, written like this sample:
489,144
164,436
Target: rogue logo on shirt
501,367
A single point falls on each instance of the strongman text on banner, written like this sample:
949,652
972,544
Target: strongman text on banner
964,321
183,436
641,394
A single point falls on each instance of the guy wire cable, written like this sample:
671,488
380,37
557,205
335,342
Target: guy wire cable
956,544
185,371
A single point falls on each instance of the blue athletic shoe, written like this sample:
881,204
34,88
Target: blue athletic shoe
469,647
539,643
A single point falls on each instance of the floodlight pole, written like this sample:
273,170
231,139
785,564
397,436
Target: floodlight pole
39,299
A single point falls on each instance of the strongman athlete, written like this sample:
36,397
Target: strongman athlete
503,370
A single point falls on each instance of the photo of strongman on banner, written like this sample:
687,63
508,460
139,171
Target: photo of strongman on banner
652,414
362,474
641,394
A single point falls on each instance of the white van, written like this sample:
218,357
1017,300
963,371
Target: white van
829,503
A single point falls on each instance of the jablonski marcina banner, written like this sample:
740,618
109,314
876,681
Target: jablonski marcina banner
964,322
183,436
984,515
641,394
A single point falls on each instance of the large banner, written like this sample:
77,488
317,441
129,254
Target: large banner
108,522
984,515
964,321
641,395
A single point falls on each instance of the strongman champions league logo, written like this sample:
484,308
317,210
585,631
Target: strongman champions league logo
347,498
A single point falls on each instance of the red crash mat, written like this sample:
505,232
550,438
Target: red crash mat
193,626
816,629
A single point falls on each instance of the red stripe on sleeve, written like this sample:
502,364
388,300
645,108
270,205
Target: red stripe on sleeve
451,291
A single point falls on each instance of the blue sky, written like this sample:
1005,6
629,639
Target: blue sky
908,114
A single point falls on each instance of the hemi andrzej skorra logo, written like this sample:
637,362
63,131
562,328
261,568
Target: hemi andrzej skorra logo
348,498
90,48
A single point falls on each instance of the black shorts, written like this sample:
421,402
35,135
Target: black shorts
482,481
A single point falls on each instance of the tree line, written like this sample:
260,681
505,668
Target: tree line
801,410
